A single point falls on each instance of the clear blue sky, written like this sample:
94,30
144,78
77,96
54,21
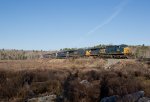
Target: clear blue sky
55,24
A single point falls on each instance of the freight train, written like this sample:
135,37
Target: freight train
113,51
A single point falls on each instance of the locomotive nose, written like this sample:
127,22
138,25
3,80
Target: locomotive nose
127,50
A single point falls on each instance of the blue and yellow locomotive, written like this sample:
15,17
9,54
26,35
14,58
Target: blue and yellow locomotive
113,51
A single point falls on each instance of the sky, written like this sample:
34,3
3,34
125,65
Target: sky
55,24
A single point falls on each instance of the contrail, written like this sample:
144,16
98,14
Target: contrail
118,9
109,19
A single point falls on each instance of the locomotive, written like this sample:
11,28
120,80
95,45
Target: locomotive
113,51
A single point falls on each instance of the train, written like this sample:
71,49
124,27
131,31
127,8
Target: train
112,51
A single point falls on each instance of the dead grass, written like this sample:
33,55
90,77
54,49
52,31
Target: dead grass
26,79
52,64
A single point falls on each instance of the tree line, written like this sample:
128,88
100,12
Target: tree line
20,54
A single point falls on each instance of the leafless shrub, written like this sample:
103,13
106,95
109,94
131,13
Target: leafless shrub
19,85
